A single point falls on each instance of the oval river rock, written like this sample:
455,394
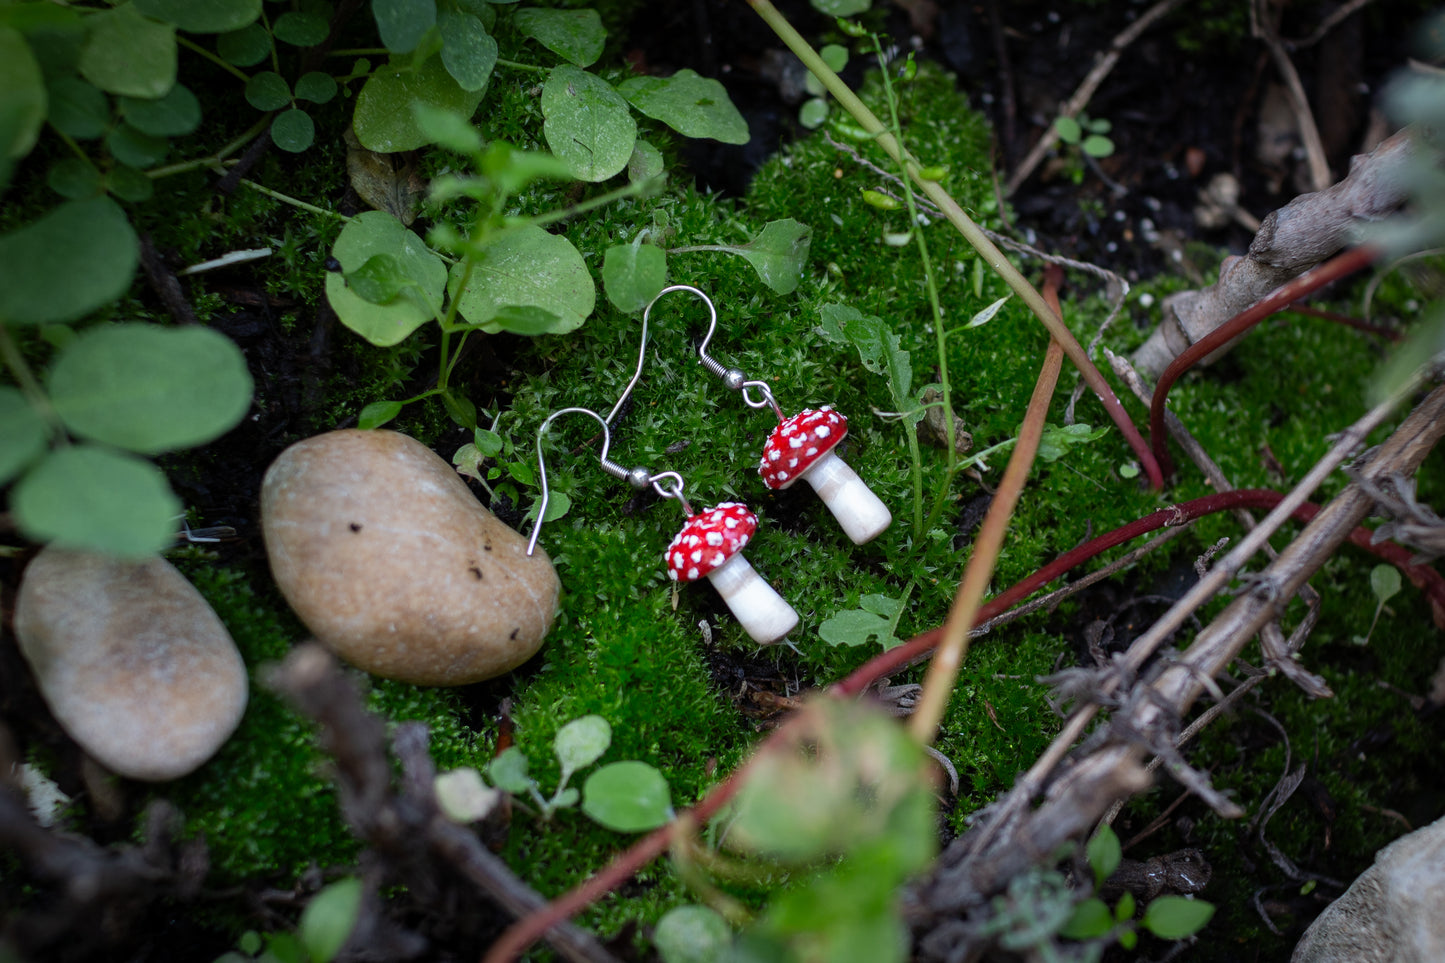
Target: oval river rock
393,564
132,661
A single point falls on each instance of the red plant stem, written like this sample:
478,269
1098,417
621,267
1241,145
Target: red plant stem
1278,299
529,929
1388,334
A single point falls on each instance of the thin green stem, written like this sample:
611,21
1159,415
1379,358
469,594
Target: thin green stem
360,52
212,160
29,384
294,202
194,47
582,207
503,62
971,232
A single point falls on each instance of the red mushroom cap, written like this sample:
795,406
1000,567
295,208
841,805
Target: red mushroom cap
798,442
708,540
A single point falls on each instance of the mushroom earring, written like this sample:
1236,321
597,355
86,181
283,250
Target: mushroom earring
801,447
709,546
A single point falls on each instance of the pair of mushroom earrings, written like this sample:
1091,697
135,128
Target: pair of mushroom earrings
710,544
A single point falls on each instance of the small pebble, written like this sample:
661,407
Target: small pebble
393,564
131,659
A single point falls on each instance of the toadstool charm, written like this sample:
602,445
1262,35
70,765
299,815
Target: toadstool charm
802,447
711,545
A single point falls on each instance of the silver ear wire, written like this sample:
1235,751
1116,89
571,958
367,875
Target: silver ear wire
638,478
733,378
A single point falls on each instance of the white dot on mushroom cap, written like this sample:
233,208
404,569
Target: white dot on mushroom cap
774,454
691,574
696,555
822,431
742,541
811,452
714,539
797,442
782,475
730,522
719,558
792,463
672,574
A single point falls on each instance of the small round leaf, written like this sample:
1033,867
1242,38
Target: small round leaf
508,771
74,178
22,433
22,95
315,86
576,35
1175,917
527,267
1097,145
588,124
300,29
632,274
1385,582
245,47
76,258
468,52
628,797
582,742
89,497
267,91
293,130
148,388
173,115
402,23
692,934
129,184
692,105
203,16
127,53
78,108
136,148
384,120
377,414
813,112
369,234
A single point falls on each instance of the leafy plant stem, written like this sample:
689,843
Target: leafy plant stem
582,207
196,48
943,670
212,160
28,384
940,335
971,232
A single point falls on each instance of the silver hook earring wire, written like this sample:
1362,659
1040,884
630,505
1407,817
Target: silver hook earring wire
638,478
733,378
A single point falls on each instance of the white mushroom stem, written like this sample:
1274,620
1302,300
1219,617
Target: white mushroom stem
863,516
759,610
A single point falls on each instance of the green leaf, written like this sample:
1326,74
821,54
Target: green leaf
508,771
77,108
129,184
510,170
489,443
853,627
632,274
384,119
813,112
588,125
380,280
581,742
1385,582
316,86
402,23
449,129
1097,145
245,47
293,130
203,16
22,433
377,414
526,267
369,234
76,258
135,148
460,408
627,797
1068,130
329,918
879,349
1091,920
1104,854
300,29
778,253
644,164
841,8
1057,441
690,104
74,178
468,52
125,53
692,934
1125,908
173,115
89,497
22,95
1175,917
150,389
528,320
987,314
575,35
268,91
